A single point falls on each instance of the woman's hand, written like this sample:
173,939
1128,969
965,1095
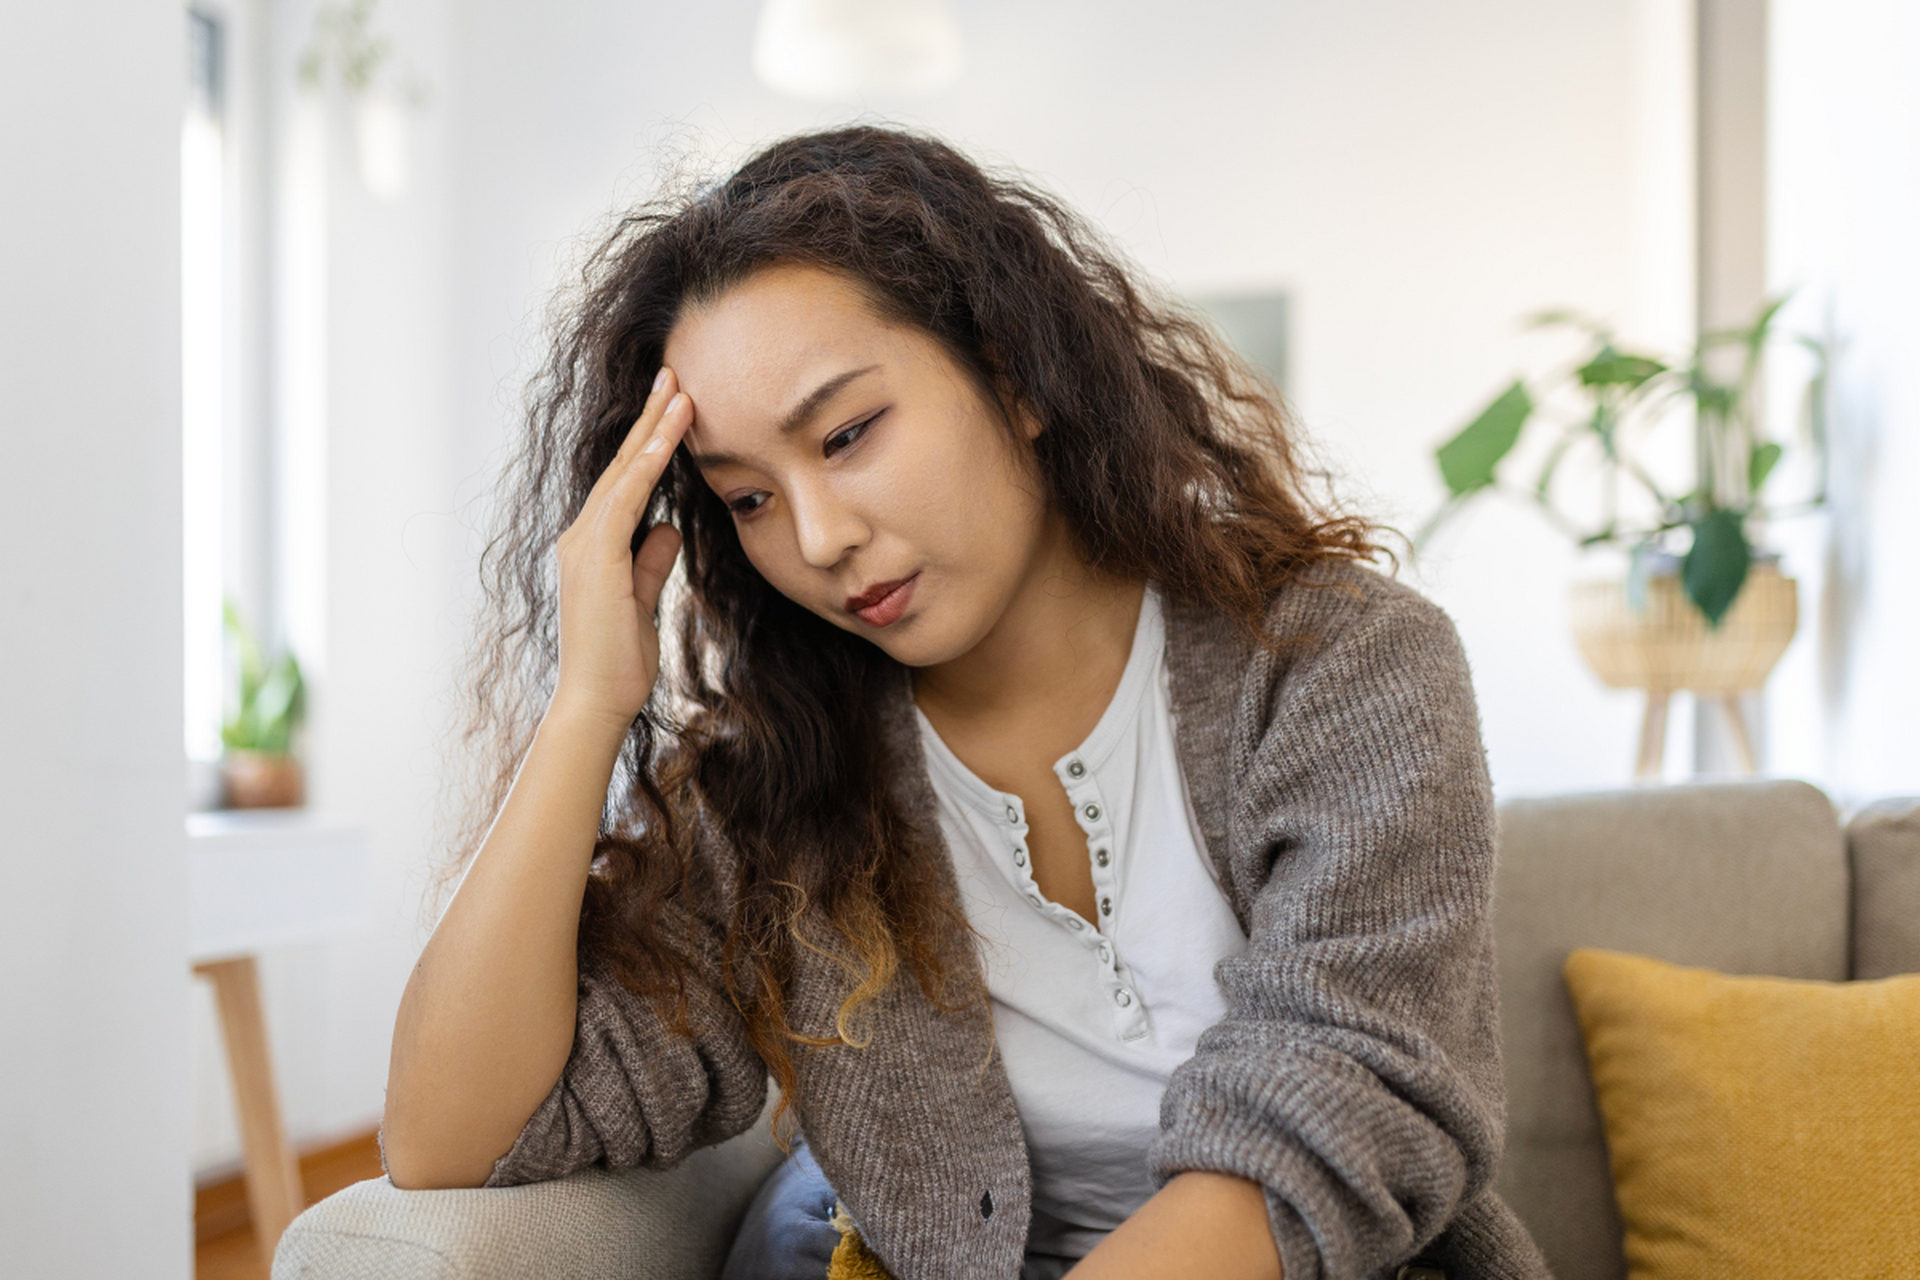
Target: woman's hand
609,644
1200,1226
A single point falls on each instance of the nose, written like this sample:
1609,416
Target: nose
824,526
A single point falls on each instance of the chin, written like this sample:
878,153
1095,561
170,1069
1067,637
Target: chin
909,650
920,641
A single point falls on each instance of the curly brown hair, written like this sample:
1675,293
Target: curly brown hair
1169,458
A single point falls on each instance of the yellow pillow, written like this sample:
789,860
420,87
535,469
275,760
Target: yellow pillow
1757,1126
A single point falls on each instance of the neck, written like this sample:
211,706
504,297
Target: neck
1062,639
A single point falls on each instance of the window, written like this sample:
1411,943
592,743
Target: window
203,379
229,535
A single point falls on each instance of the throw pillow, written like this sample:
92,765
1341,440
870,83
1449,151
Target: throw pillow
1757,1126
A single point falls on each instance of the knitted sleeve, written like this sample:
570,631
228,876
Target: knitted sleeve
636,1090
1356,1076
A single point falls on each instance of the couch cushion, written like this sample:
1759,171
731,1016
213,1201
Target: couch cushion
1883,841
1757,1125
1738,877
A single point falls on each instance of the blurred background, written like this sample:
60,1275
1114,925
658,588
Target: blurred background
276,272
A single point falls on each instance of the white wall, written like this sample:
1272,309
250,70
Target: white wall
1845,178
93,967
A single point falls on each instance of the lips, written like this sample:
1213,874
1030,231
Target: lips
884,602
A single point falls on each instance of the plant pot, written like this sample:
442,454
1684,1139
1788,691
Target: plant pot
1668,645
262,780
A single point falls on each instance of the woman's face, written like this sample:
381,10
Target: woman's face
870,480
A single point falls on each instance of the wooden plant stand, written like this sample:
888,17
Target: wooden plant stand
1667,647
1653,733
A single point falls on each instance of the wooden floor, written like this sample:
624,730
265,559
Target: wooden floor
225,1248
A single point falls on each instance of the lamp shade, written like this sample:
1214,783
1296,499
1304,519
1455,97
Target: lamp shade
844,50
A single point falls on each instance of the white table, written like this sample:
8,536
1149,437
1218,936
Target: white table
257,879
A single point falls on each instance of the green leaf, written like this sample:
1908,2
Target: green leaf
1619,369
1757,333
1468,460
1716,565
1760,465
280,704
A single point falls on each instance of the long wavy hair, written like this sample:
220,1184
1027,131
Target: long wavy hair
755,795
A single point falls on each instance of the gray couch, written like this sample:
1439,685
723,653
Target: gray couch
1743,878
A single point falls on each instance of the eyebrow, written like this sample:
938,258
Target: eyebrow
796,417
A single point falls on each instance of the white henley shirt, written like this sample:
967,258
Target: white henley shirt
1092,1016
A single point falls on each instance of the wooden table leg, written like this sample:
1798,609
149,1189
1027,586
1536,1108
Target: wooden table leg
1742,735
273,1174
1653,736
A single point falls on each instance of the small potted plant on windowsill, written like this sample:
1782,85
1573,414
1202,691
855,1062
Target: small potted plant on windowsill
259,769
1700,609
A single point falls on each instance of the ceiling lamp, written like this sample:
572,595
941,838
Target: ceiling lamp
847,50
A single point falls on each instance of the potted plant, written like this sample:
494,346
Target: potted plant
1699,608
259,769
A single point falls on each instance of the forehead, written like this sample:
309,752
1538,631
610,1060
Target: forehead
748,355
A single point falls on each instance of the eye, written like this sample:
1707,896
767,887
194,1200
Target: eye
846,437
747,504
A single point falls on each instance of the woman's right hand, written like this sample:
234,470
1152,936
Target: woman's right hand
609,643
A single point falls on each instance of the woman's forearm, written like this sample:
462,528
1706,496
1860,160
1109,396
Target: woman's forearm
487,1020
1200,1226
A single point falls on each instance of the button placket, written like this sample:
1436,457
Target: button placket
1016,832
1092,813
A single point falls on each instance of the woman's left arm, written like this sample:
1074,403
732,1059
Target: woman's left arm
1355,1081
1200,1226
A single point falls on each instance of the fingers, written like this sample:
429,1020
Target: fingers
665,388
652,565
614,507
637,472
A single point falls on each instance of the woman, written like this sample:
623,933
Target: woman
1093,851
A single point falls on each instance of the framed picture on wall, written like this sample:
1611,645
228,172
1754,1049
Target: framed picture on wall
1259,325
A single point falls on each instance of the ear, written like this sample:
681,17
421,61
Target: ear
1020,413
1028,421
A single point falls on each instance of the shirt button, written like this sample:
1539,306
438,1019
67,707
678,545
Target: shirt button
1077,923
1092,811
1076,770
1123,997
1019,857
1100,856
1034,898
1013,814
1106,906
1106,954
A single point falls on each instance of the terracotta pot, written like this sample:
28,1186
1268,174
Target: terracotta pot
1668,645
259,780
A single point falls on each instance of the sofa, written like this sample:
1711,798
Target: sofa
1751,878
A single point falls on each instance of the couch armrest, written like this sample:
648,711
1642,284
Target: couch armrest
1884,842
646,1224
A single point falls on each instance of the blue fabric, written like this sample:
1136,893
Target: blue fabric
788,1233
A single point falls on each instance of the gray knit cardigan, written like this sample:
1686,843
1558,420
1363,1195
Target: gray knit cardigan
1342,793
